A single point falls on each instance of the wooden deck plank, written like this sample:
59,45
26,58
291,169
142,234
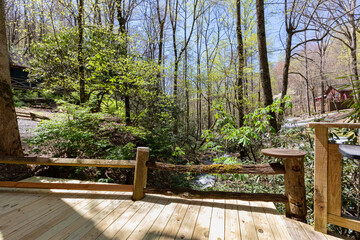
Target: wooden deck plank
102,225
85,216
187,227
217,225
142,229
13,201
262,225
134,221
69,215
39,222
295,230
157,228
247,226
174,223
275,221
202,226
122,220
309,230
56,219
100,215
232,226
76,215
23,216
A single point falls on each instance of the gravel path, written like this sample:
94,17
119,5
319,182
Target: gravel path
26,127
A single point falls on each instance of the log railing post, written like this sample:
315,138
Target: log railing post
140,177
293,161
295,188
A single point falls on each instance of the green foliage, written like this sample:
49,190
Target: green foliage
79,133
256,129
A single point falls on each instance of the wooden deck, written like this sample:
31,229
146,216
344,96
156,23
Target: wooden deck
60,214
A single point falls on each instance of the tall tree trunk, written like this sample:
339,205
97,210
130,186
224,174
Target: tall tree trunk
10,143
186,81
81,67
161,36
307,77
322,90
263,60
198,79
122,20
240,74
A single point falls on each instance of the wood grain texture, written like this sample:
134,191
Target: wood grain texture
194,194
140,178
75,162
260,169
217,225
344,222
247,225
281,153
202,226
334,125
95,215
69,186
334,180
295,188
321,174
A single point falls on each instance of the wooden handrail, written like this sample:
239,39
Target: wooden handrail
327,180
260,169
69,186
333,125
75,162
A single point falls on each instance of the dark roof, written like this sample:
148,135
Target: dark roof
339,88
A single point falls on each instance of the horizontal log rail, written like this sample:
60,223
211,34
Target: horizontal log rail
68,162
194,194
263,169
69,186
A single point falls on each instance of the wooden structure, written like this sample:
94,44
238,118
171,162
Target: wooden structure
337,97
253,212
67,214
294,180
142,164
19,78
328,171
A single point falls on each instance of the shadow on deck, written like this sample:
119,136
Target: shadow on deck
65,214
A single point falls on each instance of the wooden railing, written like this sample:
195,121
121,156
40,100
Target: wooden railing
293,174
142,155
328,172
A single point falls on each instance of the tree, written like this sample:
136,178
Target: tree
263,60
344,24
10,143
240,74
80,54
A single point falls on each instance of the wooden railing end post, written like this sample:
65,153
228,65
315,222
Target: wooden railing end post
140,178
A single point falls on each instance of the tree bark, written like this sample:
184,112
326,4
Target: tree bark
10,143
263,60
240,74
81,67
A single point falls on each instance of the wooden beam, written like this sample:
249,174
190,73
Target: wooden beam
265,169
321,173
334,180
69,186
193,194
295,188
140,178
334,125
344,222
68,162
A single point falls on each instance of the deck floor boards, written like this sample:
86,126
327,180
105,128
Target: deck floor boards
113,215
